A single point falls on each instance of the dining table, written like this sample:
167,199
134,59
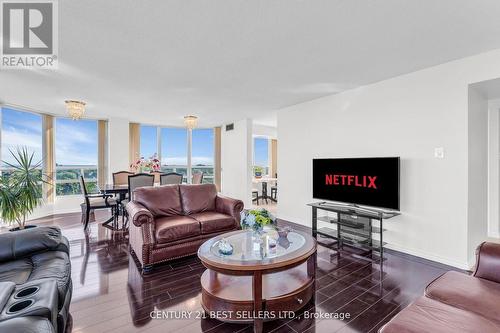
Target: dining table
264,181
120,191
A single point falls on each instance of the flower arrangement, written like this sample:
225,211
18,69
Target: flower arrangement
149,164
256,219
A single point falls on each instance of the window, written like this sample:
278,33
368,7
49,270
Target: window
76,154
19,129
202,159
174,150
261,156
149,145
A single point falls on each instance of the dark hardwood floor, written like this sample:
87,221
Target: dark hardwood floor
111,296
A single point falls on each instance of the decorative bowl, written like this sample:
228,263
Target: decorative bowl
225,248
283,231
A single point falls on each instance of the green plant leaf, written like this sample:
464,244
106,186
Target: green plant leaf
21,191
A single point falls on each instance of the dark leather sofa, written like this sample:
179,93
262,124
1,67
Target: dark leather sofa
457,302
172,221
35,259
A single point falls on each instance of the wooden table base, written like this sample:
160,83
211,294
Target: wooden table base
231,298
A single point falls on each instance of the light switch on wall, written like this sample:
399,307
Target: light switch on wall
439,152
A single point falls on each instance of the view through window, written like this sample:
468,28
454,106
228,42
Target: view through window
174,150
148,141
76,154
19,130
202,159
261,156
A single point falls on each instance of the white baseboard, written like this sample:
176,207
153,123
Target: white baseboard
494,234
429,256
413,252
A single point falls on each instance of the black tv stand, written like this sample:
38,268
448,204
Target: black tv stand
352,225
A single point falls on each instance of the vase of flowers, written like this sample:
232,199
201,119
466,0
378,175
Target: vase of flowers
146,164
256,219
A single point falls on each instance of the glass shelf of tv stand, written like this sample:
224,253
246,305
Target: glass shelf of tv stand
368,244
342,208
349,224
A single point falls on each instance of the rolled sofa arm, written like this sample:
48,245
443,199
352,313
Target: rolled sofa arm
488,262
19,244
229,206
138,213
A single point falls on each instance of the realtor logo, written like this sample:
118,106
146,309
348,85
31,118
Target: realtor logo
29,34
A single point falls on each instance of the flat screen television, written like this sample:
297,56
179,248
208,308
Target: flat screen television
372,181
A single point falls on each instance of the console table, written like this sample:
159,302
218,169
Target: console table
351,225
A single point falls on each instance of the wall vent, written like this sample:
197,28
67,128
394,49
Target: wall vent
229,127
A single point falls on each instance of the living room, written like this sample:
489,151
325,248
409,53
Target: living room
239,166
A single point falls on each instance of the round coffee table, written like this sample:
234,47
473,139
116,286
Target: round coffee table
258,281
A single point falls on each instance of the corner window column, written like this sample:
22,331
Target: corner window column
274,157
102,165
189,150
135,142
217,158
48,156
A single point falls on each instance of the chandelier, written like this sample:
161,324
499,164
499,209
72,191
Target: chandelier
76,109
190,121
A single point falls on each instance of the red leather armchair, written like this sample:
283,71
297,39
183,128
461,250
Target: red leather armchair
172,221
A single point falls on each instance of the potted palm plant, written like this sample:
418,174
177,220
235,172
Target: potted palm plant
21,190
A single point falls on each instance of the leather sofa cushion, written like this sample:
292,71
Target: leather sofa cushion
161,201
213,221
22,243
169,229
468,293
428,316
17,271
6,289
30,324
54,265
198,198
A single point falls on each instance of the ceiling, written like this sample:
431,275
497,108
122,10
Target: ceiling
156,61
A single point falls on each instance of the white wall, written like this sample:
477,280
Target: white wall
118,145
236,161
407,116
494,168
477,212
265,131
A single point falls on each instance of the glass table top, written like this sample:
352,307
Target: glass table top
248,246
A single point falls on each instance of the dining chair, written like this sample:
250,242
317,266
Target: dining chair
157,175
274,189
94,201
121,177
197,178
171,178
139,180
255,192
255,196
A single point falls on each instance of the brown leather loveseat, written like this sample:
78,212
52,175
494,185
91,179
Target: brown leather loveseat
172,221
457,302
